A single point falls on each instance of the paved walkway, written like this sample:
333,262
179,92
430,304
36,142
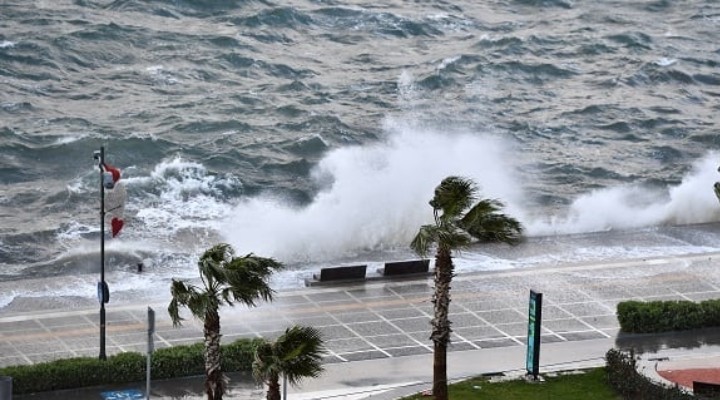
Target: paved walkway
377,334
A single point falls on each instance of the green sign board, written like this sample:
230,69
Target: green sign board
532,359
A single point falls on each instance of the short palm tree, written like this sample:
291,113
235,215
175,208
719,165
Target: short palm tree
226,279
457,222
296,354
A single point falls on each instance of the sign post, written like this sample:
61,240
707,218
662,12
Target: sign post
150,349
532,359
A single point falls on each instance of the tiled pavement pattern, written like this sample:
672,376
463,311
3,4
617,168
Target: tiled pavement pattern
389,319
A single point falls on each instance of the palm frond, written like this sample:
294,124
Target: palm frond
453,196
181,296
211,264
297,354
486,223
248,279
426,236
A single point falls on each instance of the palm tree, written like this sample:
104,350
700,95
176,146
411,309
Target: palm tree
226,279
457,222
296,354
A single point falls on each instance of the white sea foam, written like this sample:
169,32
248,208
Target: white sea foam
6,44
187,196
374,197
633,206
665,62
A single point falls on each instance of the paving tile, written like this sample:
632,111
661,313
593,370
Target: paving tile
335,332
420,324
490,305
479,332
400,313
133,338
330,359
39,346
514,329
564,325
373,328
603,322
268,325
73,321
322,297
386,341
316,320
588,309
460,346
348,345
181,333
408,351
80,343
550,339
550,312
21,326
565,296
372,292
413,289
491,343
365,355
670,297
465,320
703,296
360,316
502,316
283,301
588,335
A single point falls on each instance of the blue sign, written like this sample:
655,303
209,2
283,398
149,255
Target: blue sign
532,359
129,394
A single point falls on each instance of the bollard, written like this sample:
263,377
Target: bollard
5,387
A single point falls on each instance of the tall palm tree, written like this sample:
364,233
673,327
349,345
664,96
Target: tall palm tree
226,279
296,354
457,222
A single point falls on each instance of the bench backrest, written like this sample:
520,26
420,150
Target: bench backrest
342,273
407,267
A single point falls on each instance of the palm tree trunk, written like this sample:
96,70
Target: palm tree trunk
214,379
273,392
441,321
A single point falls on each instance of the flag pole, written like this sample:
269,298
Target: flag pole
101,287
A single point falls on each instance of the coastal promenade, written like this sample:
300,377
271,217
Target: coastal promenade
377,333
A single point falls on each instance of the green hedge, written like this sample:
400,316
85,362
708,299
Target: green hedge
170,362
623,376
666,316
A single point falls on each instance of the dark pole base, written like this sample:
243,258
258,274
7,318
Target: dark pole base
102,332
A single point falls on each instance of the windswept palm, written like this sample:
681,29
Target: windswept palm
297,354
226,279
457,223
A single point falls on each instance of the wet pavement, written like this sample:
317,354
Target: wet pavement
377,333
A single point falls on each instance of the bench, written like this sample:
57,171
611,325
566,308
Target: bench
703,389
404,268
352,272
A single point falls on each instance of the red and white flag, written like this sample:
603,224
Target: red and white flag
115,196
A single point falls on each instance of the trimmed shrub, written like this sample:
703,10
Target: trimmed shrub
623,376
666,316
170,362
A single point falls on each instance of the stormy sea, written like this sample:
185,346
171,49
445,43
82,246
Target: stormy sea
314,132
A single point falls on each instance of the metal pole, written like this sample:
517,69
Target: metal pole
102,256
150,348
284,387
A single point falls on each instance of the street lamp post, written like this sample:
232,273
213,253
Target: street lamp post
102,286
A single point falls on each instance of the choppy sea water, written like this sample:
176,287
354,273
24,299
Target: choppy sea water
315,131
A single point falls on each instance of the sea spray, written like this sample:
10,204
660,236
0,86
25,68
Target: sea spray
372,197
635,205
